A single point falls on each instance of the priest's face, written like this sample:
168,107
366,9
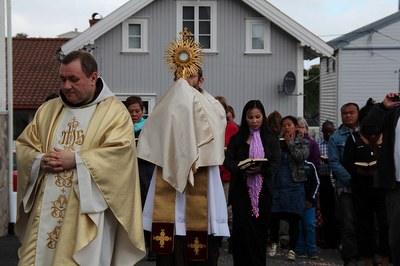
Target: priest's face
196,82
75,85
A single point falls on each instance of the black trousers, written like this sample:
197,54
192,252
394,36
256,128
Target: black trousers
370,210
329,231
178,258
293,220
348,228
393,213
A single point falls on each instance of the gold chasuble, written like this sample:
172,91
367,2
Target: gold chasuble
90,215
183,136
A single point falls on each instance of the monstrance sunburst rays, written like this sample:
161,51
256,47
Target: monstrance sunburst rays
184,56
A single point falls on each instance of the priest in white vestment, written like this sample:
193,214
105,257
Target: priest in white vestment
185,132
78,187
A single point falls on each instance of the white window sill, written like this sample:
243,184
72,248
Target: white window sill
210,52
135,52
257,52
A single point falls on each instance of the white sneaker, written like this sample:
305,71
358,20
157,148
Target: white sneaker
272,249
291,255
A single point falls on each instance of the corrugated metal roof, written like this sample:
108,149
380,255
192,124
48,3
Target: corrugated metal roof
345,39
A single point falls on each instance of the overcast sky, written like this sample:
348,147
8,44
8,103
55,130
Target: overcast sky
325,18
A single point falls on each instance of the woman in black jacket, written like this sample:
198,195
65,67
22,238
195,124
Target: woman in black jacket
251,191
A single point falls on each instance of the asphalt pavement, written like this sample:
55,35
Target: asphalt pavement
9,245
326,257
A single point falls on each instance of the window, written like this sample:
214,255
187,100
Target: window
258,38
327,65
134,35
200,19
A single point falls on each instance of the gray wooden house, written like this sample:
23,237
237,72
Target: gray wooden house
249,46
366,64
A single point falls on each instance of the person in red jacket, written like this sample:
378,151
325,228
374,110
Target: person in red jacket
231,129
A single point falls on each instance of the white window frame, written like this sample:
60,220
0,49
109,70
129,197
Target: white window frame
146,97
267,36
143,22
213,18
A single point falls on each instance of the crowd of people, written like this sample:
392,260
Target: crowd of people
99,184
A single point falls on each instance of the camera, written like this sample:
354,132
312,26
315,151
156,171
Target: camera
396,98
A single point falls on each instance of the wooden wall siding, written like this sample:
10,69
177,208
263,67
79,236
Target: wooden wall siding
140,72
373,74
229,72
328,93
385,37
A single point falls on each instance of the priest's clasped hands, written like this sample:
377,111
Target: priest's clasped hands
57,160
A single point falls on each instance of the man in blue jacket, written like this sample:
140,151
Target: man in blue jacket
349,114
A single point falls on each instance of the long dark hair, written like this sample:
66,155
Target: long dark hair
367,127
244,129
365,110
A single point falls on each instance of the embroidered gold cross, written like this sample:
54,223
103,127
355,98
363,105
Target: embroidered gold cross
196,246
162,238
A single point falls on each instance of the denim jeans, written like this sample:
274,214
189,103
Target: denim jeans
306,242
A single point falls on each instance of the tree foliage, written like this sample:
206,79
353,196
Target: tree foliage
21,35
311,98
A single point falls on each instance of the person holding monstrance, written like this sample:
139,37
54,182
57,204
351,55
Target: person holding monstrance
184,137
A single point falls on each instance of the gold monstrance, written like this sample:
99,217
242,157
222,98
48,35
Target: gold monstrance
184,56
